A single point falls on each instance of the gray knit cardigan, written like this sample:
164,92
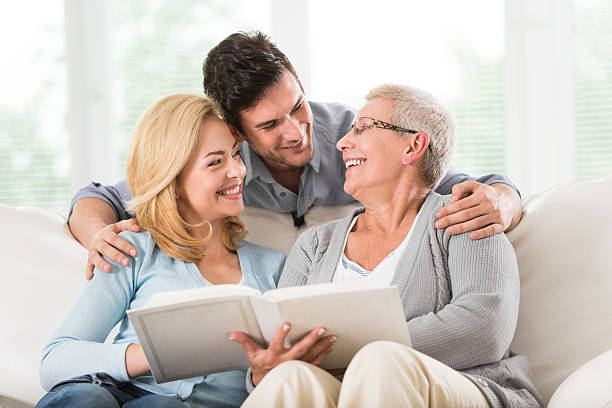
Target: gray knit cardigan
460,298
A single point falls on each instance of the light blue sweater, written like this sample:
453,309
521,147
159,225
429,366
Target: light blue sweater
78,347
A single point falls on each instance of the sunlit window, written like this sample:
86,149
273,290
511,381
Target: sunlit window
158,47
593,87
444,47
34,147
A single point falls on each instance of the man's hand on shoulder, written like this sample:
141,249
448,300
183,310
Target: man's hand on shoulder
108,243
482,209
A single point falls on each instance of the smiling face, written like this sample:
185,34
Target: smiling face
373,159
210,185
279,127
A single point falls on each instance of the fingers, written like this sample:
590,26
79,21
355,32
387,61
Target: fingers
319,358
111,237
277,344
96,259
478,211
89,271
299,349
487,231
128,225
459,217
471,225
319,350
111,253
460,189
464,203
249,346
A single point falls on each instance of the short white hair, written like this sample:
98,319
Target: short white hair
420,111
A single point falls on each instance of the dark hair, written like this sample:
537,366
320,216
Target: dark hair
239,70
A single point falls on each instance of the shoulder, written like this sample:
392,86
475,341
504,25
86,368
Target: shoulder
140,240
144,245
147,250
258,252
318,238
331,120
264,263
496,246
261,251
433,202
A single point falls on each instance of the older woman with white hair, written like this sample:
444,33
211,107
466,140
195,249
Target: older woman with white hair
460,296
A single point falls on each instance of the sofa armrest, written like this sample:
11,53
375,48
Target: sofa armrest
588,386
43,271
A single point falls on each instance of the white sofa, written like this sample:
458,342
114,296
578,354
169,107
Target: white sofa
563,246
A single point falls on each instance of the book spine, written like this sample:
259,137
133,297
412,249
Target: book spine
268,317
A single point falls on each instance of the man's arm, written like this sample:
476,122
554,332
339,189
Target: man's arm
485,206
93,221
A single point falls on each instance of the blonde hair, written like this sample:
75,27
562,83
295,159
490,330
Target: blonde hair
418,110
161,146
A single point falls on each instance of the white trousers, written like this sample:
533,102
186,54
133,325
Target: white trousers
382,374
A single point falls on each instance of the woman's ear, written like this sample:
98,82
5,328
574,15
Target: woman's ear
415,148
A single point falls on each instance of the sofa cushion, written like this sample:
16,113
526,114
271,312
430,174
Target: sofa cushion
564,248
277,231
43,271
589,386
6,402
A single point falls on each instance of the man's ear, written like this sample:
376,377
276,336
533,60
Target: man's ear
416,148
236,133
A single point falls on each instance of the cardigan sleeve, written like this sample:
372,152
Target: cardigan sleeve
77,347
299,261
478,324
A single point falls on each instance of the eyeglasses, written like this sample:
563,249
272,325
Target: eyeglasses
364,123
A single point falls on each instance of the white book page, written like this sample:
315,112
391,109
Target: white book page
210,292
296,292
268,316
189,339
356,318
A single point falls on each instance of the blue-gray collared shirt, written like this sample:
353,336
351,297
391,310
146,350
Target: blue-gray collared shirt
321,183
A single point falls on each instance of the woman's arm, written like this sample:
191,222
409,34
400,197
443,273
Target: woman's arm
77,347
477,326
299,261
135,361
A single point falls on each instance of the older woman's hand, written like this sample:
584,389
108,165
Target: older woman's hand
484,210
311,348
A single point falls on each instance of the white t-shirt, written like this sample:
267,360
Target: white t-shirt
348,271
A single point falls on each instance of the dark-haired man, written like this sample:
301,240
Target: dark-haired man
290,154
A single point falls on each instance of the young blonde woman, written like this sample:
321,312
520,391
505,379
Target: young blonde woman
186,175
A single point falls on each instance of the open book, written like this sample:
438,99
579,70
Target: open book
185,333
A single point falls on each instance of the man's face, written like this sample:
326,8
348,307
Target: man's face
279,127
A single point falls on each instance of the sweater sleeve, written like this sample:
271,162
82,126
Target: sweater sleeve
299,261
77,347
478,324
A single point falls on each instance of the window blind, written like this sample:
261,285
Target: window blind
459,60
479,118
593,87
34,149
158,47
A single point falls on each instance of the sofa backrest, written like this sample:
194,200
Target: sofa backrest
564,250
43,271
